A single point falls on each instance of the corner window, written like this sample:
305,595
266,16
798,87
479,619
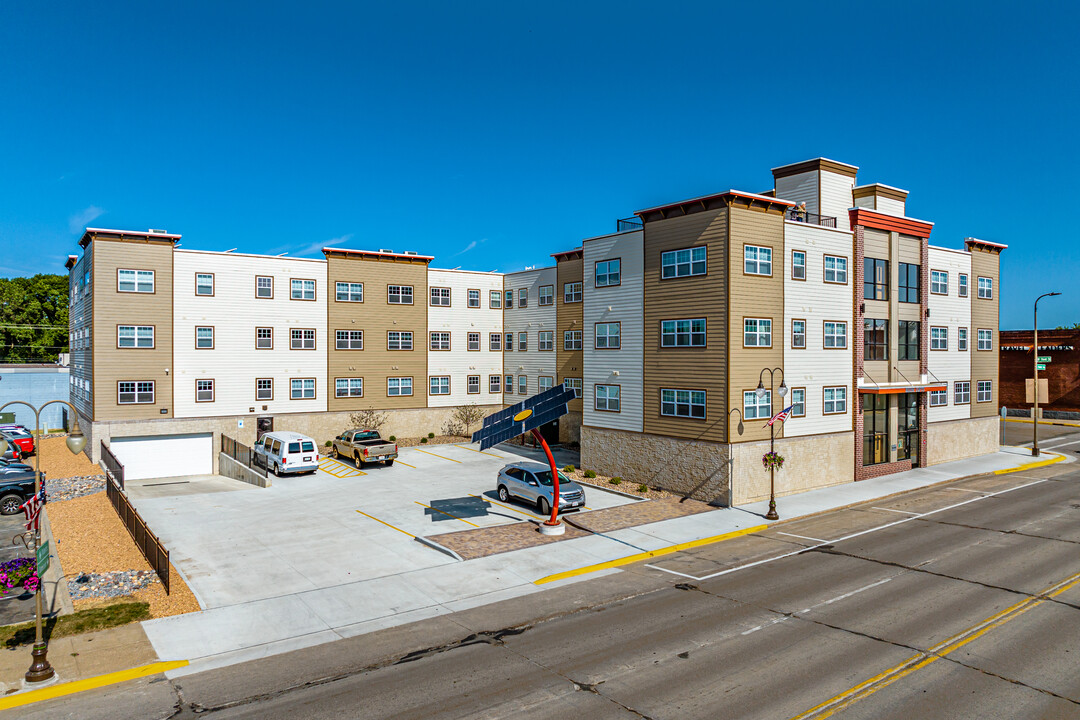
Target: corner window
939,282
509,342
473,298
608,336
572,292
608,273
798,265
683,263
573,384
135,281
756,408
835,400
798,334
349,340
682,333
349,292
939,338
204,391
399,294
606,398
348,387
509,387
682,403
300,289
509,299
204,338
909,283
547,295
495,300
986,288
836,269
440,297
264,287
302,389
544,383
204,283
835,335
398,386
757,260
439,385
757,332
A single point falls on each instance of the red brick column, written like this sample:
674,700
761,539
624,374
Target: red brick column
860,351
924,341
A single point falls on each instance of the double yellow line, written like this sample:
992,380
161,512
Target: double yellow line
920,660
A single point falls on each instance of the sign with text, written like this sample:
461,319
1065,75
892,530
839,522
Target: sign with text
1040,366
1043,359
43,558
1044,391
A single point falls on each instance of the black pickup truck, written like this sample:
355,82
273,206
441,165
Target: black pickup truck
16,487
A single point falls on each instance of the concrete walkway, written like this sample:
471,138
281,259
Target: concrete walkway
244,631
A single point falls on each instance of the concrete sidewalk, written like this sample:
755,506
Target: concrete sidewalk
246,631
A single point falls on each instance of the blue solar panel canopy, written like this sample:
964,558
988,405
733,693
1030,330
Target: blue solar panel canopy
523,417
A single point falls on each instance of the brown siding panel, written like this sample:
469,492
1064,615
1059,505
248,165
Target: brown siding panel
569,316
984,314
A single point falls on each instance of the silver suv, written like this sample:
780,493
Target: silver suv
531,482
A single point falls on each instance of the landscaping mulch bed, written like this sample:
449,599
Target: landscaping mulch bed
437,440
472,544
625,486
634,514
58,462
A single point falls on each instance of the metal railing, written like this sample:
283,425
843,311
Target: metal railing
627,224
113,467
809,218
152,549
241,453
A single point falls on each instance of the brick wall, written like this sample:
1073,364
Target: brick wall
923,398
860,340
1062,373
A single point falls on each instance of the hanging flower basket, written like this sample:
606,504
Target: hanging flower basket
772,460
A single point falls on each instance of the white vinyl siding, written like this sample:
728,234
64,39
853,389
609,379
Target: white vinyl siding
952,313
466,341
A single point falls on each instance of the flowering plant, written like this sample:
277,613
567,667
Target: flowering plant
18,572
772,460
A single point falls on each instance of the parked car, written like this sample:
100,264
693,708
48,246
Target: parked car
364,446
21,437
286,452
13,453
15,465
15,489
531,482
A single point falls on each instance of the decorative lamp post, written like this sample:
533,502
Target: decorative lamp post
1035,389
760,392
40,669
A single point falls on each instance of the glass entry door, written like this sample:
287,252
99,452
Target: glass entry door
875,428
907,421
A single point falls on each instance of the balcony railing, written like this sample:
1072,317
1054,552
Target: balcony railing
628,224
810,218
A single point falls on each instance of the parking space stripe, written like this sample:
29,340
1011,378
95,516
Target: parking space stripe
399,461
338,469
385,523
446,513
517,510
438,456
466,447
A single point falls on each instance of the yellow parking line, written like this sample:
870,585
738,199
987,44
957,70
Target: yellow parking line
399,461
438,456
338,467
385,523
446,514
69,688
466,447
517,510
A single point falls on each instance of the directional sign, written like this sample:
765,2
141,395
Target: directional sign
1043,359
1040,366
43,558
517,419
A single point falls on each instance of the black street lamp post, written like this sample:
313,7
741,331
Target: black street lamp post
760,391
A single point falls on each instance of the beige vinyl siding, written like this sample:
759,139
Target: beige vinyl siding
890,206
836,197
570,316
876,245
984,314
803,187
910,250
111,308
688,297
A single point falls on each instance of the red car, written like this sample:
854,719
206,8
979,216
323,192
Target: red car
20,439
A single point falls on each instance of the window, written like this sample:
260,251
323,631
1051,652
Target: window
682,403
349,340
907,423
986,340
204,283
608,336
473,340
875,410
907,340
204,391
545,340
264,389
755,407
798,265
798,334
961,392
472,384
608,273
571,340
440,297
544,382
682,333
523,297
509,341
835,400
140,281
494,383
348,387
572,292
398,386
495,342
473,298
301,388
439,385
301,289
939,398
875,279
985,391
547,295
349,292
204,338
798,402
135,393
302,339
399,294
836,269
835,335
757,332
440,341
523,385
939,338
606,398
264,287
399,341
495,300
509,384
961,339
963,283
509,299
939,282
573,384
135,336
875,339
757,260
523,341
264,338
986,288
909,283
683,263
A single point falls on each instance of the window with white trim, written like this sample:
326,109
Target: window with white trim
399,340
939,398
204,338
986,340
545,340
510,341
349,292
301,339
264,389
608,336
495,342
835,334
494,383
509,385
523,341
135,392
835,400
349,340
472,298
682,333
986,288
348,387
523,297
135,336
300,289
684,263
399,294
755,407
961,339
473,341
398,386
495,299
440,297
573,384
264,338
571,292
939,338
606,398
985,391
439,385
204,391
961,392
962,282
798,402
440,341
547,295
572,340
757,260
757,332
264,287
836,269
608,273
523,385
302,388
939,282
472,384
682,403
204,284
509,299
544,382
136,281
798,265
798,334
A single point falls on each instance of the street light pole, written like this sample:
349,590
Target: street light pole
760,392
40,669
1035,389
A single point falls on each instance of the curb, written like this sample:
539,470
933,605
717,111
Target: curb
1059,423
26,697
436,546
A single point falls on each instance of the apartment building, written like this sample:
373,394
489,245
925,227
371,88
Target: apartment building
529,329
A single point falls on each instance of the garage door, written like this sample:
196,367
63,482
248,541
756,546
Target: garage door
164,455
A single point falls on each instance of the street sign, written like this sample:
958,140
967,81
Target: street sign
1040,366
43,558
1043,359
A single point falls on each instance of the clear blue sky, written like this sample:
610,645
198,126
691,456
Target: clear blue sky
491,134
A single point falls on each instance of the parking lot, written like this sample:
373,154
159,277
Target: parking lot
236,543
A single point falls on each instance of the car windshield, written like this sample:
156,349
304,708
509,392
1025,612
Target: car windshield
545,477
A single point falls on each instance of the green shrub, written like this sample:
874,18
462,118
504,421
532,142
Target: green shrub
431,435
643,488
615,481
423,441
589,474
392,438
329,443
569,469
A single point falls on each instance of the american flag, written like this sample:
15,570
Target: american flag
32,509
781,416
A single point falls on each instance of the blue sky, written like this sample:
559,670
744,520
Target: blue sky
491,134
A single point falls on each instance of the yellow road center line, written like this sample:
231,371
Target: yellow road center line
650,554
438,456
77,686
465,447
446,513
508,507
385,523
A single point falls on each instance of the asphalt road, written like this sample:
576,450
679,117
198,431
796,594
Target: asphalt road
958,601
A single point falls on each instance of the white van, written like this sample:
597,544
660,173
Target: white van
287,452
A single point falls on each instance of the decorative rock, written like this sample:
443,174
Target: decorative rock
110,584
58,489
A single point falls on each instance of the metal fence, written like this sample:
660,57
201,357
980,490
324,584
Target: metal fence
810,218
113,468
152,549
241,453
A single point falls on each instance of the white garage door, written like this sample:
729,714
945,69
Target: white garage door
164,455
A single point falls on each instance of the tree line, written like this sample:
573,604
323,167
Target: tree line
33,318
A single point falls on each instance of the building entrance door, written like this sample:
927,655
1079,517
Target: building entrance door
907,426
263,425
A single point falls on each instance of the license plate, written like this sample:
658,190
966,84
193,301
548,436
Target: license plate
307,459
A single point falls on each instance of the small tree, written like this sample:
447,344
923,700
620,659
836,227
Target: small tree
463,418
369,419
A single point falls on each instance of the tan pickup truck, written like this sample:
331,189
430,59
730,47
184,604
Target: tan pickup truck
364,446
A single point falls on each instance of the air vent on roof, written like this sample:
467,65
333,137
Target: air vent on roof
411,252
385,250
159,232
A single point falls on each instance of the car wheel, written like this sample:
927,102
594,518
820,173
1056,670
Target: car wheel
337,455
359,462
543,506
389,463
504,495
10,504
